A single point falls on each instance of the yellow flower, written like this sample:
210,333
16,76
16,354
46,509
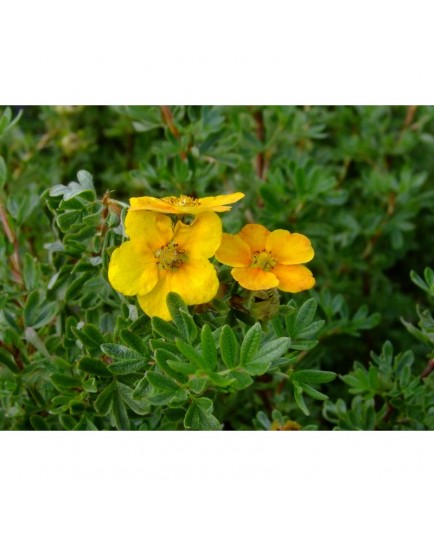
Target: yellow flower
160,258
262,259
185,204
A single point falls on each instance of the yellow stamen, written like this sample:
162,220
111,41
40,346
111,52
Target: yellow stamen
182,201
170,257
263,260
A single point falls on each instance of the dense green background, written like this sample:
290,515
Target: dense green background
358,181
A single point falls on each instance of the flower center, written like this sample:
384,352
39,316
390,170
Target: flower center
170,257
263,260
182,201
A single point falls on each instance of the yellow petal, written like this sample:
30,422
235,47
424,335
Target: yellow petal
185,204
233,251
219,200
255,235
132,269
254,278
153,204
202,237
293,278
196,282
152,229
289,248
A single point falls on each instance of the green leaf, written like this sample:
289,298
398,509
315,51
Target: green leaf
141,407
175,304
312,392
273,350
104,401
242,380
305,315
199,416
190,353
30,272
85,179
313,376
118,351
165,329
127,366
93,366
120,411
250,344
304,345
189,325
229,347
3,173
298,396
417,280
197,385
61,381
162,383
36,313
38,423
181,366
209,350
134,341
162,357
7,359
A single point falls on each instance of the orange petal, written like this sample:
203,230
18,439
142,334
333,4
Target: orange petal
202,237
254,278
152,229
289,248
233,251
132,269
293,278
196,282
255,235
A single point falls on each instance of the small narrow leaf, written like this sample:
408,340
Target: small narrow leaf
250,343
209,350
118,351
126,366
229,347
162,383
313,376
199,416
305,314
164,329
120,412
298,396
190,353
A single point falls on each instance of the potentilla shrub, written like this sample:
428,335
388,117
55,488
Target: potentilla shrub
229,269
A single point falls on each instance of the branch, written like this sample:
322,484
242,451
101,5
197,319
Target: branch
428,369
168,119
260,133
15,257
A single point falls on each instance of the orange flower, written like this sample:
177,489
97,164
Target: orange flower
185,204
262,259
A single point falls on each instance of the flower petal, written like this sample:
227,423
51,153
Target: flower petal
202,237
152,229
254,278
185,204
289,248
132,269
293,278
196,282
255,235
219,200
233,251
152,203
